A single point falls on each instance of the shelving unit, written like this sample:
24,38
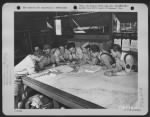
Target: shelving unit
126,38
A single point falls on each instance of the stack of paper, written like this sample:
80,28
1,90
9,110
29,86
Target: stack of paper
126,44
117,41
133,45
64,68
90,68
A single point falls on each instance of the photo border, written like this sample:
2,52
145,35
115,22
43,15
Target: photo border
6,57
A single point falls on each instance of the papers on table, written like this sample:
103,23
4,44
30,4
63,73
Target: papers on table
55,70
63,68
90,68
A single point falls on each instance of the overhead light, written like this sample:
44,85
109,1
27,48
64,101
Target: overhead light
58,28
79,31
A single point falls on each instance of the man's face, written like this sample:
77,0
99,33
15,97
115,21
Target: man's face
62,49
94,54
113,53
47,51
84,50
72,50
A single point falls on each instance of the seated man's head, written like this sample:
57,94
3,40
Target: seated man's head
37,51
36,48
116,50
62,49
46,48
94,50
86,49
71,47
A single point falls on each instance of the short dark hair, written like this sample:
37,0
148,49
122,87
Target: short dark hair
46,46
87,46
70,45
94,48
116,47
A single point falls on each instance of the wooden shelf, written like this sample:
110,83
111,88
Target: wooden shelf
125,32
92,37
131,52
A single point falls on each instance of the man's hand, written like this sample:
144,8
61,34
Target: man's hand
108,73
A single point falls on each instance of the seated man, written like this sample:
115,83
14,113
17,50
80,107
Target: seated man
37,51
123,60
32,64
86,53
25,67
47,58
103,57
74,53
33,61
59,54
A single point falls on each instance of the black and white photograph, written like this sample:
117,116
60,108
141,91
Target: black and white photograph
75,60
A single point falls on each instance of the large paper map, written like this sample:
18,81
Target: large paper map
109,92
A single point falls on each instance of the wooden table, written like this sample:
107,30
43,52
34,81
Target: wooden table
86,90
59,95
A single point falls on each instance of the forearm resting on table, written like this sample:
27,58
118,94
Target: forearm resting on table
91,62
113,71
